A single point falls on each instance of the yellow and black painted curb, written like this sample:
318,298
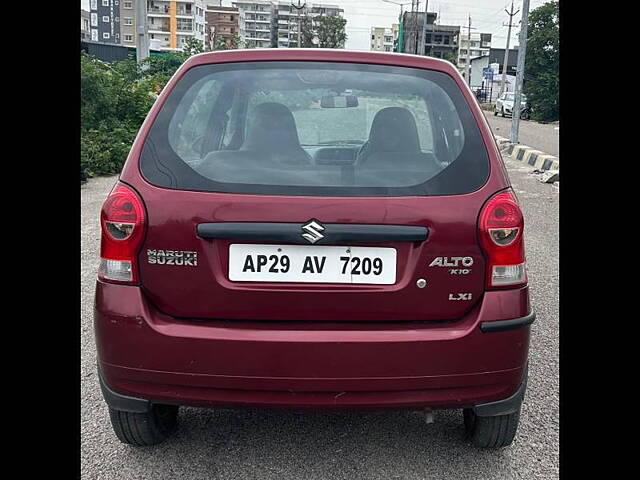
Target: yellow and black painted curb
537,159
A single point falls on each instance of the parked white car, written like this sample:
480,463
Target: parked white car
504,104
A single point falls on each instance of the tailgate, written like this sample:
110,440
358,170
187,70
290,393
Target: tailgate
240,271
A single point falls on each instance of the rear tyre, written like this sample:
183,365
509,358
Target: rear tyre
495,112
144,429
491,432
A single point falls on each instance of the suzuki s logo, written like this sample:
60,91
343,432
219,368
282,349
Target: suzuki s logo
312,231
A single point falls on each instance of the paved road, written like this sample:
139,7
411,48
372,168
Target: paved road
545,137
226,444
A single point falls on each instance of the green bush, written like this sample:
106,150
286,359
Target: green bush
105,150
115,99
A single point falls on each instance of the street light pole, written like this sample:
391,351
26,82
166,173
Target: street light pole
469,52
415,50
424,28
522,51
401,14
142,45
469,28
506,50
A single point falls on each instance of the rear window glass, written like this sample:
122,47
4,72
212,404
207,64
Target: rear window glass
315,128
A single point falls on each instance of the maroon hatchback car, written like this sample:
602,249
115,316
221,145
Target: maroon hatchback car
313,229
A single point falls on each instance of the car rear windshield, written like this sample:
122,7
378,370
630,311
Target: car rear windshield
315,128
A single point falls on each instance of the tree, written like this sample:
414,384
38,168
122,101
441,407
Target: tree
248,44
222,43
542,81
192,47
166,64
307,32
331,31
452,57
115,99
327,31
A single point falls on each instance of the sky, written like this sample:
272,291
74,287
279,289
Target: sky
487,16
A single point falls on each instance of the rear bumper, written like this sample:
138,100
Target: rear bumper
147,357
142,405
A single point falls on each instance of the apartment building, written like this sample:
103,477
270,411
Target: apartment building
221,24
128,22
85,21
257,23
172,23
381,39
479,46
288,20
104,21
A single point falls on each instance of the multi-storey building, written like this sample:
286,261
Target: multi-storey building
104,21
381,39
479,46
395,30
288,18
85,21
257,23
128,22
172,23
221,24
441,41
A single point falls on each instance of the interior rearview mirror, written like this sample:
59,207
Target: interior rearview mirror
342,101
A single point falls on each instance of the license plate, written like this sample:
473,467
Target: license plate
312,264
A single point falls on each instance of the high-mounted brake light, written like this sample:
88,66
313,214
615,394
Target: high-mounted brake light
122,221
501,225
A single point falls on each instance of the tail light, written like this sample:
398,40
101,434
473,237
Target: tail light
123,223
501,226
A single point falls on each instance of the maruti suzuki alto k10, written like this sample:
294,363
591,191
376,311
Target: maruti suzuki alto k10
313,229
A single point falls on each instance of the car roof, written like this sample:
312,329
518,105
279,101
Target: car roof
322,55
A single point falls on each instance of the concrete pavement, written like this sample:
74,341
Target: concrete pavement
544,137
